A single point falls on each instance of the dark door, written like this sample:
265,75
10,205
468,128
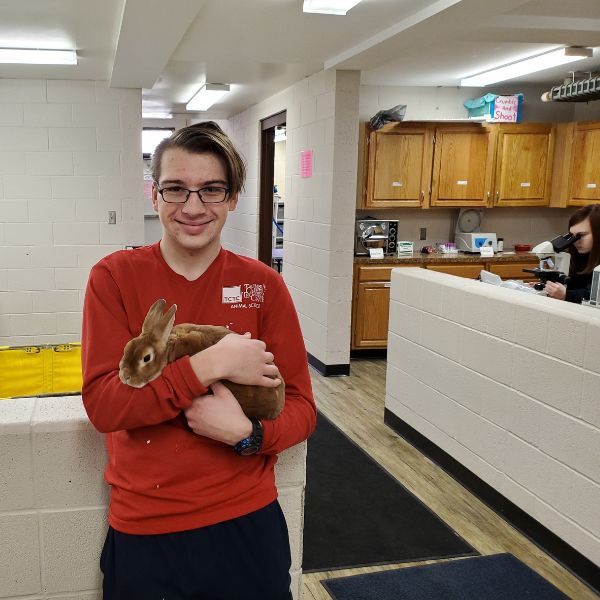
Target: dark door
267,221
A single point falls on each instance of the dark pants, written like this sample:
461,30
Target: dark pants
246,558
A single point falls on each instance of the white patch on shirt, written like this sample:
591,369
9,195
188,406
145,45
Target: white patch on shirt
231,295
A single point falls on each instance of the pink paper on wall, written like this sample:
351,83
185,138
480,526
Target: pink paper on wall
148,189
306,163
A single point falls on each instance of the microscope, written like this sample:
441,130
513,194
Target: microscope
554,261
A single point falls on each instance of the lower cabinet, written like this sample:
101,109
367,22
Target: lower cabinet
514,270
468,270
371,294
371,305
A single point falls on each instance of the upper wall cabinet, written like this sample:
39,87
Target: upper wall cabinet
576,179
458,164
523,169
398,166
463,165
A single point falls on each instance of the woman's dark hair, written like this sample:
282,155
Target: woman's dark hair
201,138
591,212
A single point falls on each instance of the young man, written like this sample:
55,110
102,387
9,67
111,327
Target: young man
193,509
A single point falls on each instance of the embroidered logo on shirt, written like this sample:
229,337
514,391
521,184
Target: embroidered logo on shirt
255,292
246,295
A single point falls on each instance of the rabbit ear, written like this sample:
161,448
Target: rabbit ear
161,327
166,323
154,315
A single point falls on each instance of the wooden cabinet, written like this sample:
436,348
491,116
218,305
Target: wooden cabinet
576,177
469,270
371,305
463,165
371,294
523,166
399,166
585,164
515,270
459,164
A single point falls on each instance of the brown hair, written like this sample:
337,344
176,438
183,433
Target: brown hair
591,212
205,137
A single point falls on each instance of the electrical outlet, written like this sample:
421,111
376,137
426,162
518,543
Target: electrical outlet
423,233
112,217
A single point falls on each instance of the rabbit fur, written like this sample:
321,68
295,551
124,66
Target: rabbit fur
159,343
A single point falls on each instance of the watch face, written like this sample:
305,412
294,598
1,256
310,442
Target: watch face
252,449
251,444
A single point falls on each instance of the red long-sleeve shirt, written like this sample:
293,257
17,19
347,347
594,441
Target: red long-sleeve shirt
163,477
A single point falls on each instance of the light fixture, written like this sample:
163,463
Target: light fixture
37,56
329,7
532,64
156,115
207,95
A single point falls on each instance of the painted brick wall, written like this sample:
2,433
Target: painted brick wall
53,500
506,383
70,151
322,116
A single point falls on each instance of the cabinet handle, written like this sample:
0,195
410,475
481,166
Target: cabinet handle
488,195
497,195
422,196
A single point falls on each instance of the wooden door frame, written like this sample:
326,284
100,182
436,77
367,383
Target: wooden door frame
266,181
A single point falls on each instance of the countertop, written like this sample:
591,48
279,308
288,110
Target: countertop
439,258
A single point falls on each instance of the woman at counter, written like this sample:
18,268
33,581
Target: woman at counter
585,255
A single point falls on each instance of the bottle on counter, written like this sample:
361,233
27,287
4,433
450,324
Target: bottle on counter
500,244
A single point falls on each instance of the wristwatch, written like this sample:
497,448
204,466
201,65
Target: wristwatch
251,444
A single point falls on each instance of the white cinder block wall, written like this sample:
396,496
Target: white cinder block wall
70,151
53,501
507,384
322,116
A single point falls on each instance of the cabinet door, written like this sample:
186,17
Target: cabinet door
371,315
514,270
463,162
470,270
399,172
523,165
585,165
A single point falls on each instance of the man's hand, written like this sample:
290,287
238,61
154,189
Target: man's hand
555,290
219,416
238,358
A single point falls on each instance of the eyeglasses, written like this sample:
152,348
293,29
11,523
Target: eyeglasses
179,195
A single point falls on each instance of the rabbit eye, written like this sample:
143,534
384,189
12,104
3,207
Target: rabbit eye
147,358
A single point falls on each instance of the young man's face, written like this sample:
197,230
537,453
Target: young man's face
194,226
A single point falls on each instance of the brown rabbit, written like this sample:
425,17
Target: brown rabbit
145,356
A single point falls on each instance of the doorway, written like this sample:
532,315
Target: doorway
271,206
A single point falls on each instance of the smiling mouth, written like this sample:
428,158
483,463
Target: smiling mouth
194,224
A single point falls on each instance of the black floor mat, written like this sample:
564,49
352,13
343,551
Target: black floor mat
357,514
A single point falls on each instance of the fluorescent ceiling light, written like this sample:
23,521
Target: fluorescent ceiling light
152,137
207,95
554,58
157,115
329,7
37,56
